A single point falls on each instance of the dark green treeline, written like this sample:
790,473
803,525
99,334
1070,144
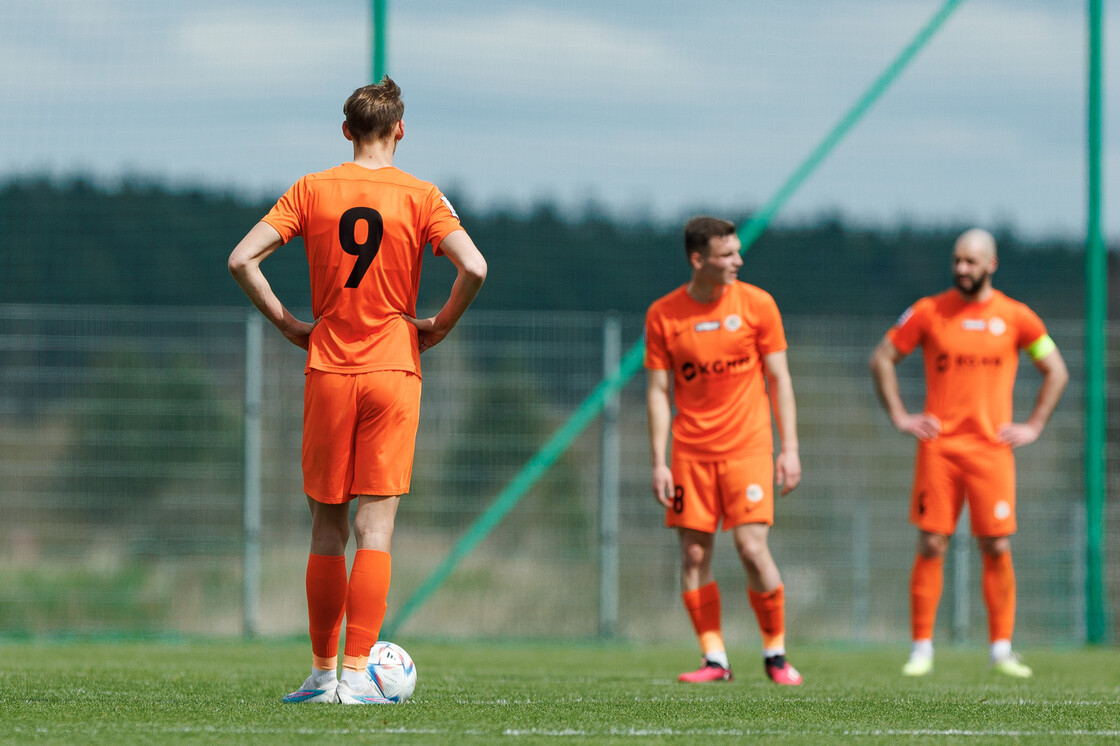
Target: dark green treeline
73,242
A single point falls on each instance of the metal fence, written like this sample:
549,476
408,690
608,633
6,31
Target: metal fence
122,450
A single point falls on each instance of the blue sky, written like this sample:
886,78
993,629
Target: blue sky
653,108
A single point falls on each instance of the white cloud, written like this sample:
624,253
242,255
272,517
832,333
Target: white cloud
300,46
650,100
535,54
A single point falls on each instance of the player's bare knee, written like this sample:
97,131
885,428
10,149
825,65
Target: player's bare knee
932,546
373,535
751,546
694,556
756,560
994,546
328,535
329,540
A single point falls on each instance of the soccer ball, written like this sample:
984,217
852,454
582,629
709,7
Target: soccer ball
392,670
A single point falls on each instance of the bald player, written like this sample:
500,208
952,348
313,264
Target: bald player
970,336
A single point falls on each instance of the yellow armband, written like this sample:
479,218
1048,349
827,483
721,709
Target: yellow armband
1041,347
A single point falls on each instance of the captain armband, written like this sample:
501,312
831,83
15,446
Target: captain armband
1041,347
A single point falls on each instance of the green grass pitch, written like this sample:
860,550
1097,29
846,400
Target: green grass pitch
228,692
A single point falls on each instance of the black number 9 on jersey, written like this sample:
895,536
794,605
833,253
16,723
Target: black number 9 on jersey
366,250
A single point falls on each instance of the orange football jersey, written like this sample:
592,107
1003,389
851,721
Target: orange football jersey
364,231
971,355
715,352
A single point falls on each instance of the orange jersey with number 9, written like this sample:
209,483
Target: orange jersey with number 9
364,231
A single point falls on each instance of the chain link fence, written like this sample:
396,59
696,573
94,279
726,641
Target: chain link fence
122,448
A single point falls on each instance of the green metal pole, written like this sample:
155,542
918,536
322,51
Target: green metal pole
631,363
378,13
1096,313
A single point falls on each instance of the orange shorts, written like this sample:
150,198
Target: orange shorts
946,474
737,491
359,433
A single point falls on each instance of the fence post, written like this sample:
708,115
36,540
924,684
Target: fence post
861,570
251,560
959,549
608,485
1079,576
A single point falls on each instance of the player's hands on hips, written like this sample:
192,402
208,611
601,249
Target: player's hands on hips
1016,434
429,334
299,333
787,471
921,426
662,484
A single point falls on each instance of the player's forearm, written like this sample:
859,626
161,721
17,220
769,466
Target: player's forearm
782,404
464,290
244,265
659,415
886,387
470,268
253,283
1049,394
785,413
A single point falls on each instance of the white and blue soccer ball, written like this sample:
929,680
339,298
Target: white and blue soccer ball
392,670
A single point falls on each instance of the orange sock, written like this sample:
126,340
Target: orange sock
999,595
326,600
770,610
704,609
366,603
925,594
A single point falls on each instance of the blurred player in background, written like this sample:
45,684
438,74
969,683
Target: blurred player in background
970,337
718,344
365,225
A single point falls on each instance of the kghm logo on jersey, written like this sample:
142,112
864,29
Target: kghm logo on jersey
691,370
706,326
945,361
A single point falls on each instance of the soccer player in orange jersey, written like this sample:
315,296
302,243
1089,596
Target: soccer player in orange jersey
719,346
365,225
970,337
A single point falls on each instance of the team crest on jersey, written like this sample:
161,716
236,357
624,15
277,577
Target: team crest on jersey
732,322
1002,510
905,316
447,202
997,326
707,326
755,493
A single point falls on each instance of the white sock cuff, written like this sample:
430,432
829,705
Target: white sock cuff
354,678
319,676
923,648
1001,649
